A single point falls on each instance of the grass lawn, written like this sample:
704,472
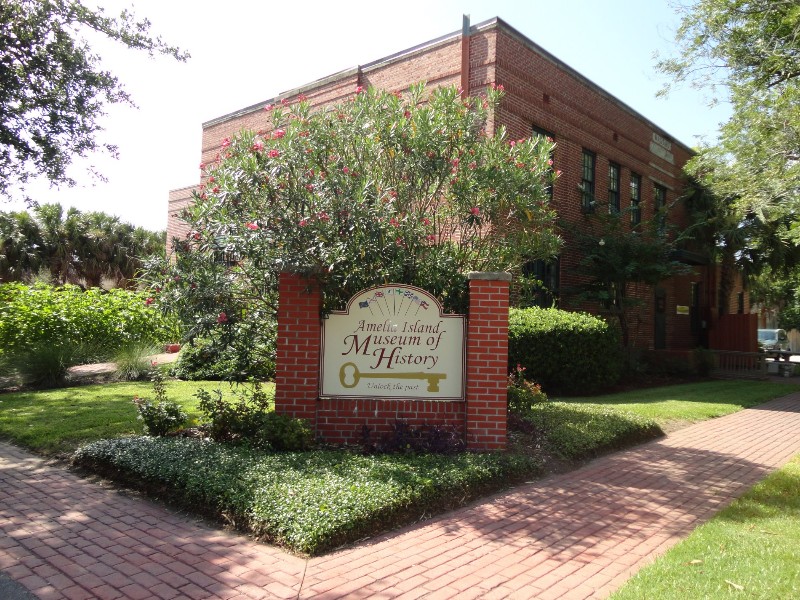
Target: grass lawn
56,422
677,405
749,550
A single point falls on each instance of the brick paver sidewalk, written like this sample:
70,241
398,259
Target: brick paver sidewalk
577,535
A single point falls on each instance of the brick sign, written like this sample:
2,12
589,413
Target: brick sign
393,341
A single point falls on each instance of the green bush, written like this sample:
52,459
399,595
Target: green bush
78,326
220,360
567,352
162,415
249,418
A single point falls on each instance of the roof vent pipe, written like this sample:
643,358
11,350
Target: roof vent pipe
465,56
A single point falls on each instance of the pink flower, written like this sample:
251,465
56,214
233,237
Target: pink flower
273,153
301,98
394,222
303,222
360,89
426,221
431,238
455,162
222,318
149,301
345,170
269,107
558,173
407,114
196,235
211,179
257,146
310,187
475,211
473,165
202,166
284,102
303,134
323,216
278,134
512,143
252,226
226,142
215,189
399,242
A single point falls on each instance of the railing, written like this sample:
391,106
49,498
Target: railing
739,365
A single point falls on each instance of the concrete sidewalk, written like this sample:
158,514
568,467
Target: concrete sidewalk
577,535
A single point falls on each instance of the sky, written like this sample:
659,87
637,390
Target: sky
247,51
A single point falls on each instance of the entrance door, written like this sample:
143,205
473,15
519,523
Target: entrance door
660,332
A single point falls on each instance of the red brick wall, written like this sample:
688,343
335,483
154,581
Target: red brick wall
481,419
540,91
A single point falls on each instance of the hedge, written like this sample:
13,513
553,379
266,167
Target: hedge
566,352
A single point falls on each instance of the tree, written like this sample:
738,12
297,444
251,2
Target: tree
615,258
53,89
748,53
73,247
381,188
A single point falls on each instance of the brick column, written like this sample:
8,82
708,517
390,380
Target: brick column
487,360
298,347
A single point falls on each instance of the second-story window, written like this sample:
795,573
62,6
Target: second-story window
613,187
660,204
587,181
543,133
636,198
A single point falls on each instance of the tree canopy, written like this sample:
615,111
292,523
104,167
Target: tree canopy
75,247
747,52
53,88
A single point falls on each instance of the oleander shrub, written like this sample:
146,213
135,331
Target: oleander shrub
566,352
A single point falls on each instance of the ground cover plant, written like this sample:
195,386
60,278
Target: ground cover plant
748,550
306,501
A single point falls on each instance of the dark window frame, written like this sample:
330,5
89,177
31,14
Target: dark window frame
588,177
614,178
539,132
636,198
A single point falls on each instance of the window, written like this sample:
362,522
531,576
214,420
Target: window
660,201
613,187
587,181
543,133
544,290
636,199
740,303
660,196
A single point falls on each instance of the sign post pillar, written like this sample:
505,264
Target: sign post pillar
487,360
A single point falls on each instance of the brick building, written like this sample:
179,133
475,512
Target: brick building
603,146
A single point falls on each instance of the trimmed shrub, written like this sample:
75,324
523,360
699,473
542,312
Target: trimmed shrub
567,352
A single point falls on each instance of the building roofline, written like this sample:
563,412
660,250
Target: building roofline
489,24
